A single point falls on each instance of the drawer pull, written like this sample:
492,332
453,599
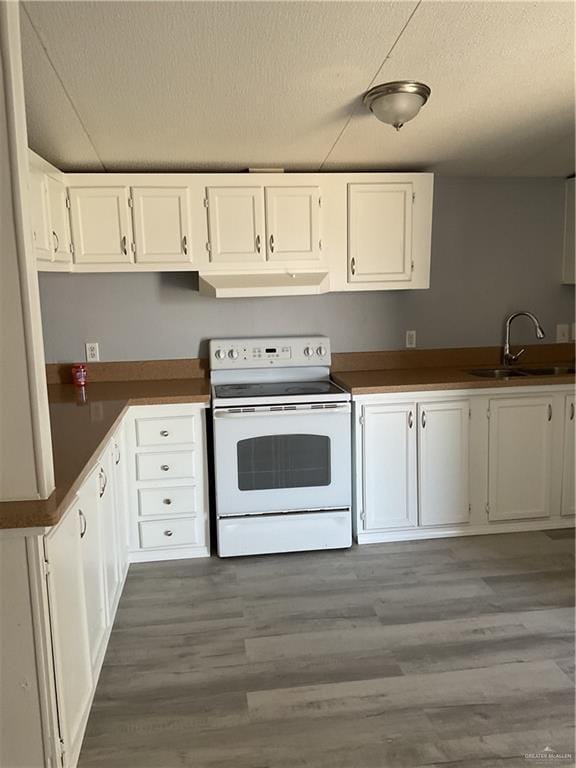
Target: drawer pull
164,433
167,501
168,533
164,467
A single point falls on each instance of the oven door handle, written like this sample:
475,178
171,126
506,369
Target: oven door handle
344,408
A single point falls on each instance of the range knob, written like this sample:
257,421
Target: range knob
308,351
233,354
220,354
321,351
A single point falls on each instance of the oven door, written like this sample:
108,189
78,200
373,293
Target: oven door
268,461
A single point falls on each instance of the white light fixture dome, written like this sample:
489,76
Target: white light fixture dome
398,102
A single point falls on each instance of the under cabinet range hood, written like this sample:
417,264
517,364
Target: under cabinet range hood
230,286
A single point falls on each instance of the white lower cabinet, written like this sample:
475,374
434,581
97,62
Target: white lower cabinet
443,449
74,680
520,447
389,466
567,505
456,463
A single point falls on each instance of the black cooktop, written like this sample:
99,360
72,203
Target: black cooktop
277,389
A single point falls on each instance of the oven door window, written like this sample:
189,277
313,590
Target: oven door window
283,461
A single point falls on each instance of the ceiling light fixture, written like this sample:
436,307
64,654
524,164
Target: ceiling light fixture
396,103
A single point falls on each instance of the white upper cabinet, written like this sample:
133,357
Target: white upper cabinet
567,507
520,457
161,225
40,216
443,445
101,226
236,225
59,220
69,629
389,466
380,232
292,224
568,266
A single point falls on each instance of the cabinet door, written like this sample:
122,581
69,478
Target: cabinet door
68,626
389,466
520,458
236,225
292,224
59,221
568,466
443,462
40,215
109,528
93,566
101,230
379,232
121,500
161,225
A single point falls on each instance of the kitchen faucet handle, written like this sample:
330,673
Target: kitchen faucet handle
517,355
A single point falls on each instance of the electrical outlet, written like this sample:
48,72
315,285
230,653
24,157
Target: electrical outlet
410,339
562,333
92,352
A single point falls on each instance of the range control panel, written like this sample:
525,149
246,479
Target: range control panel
280,352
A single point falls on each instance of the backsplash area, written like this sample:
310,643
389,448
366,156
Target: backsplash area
496,248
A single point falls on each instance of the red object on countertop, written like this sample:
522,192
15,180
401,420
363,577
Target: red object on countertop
79,375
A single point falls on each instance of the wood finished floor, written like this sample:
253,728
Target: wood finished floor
454,652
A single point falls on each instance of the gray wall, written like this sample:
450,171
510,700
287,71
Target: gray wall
496,248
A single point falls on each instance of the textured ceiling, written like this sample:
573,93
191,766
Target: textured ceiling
230,85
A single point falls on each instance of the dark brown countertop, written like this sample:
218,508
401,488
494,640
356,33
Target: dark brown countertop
79,429
431,379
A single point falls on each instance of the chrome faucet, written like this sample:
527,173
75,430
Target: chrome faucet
508,358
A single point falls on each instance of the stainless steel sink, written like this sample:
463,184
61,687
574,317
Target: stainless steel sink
512,373
496,373
553,370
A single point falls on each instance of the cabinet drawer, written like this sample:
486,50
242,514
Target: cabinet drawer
161,502
165,431
164,466
168,533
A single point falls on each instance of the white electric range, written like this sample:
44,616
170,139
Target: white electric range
282,446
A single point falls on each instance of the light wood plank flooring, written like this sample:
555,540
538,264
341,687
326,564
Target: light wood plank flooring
454,652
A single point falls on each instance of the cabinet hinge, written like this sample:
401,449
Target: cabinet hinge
469,508
363,516
205,202
71,247
488,413
45,567
413,197
361,420
208,246
62,750
133,247
412,266
469,413
67,202
130,202
488,509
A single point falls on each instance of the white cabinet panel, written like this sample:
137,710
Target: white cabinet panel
40,215
443,462
60,222
567,507
101,228
93,563
379,232
520,457
389,466
69,628
170,533
109,529
292,224
165,430
120,491
165,466
236,225
161,224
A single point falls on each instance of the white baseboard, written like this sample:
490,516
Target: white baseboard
167,553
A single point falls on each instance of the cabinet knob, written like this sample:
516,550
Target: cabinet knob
167,501
549,412
164,467
258,247
83,523
164,433
353,266
410,420
185,245
571,411
168,533
423,419
56,242
124,245
271,243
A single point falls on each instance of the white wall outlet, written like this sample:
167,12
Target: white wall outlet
410,339
92,352
562,333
